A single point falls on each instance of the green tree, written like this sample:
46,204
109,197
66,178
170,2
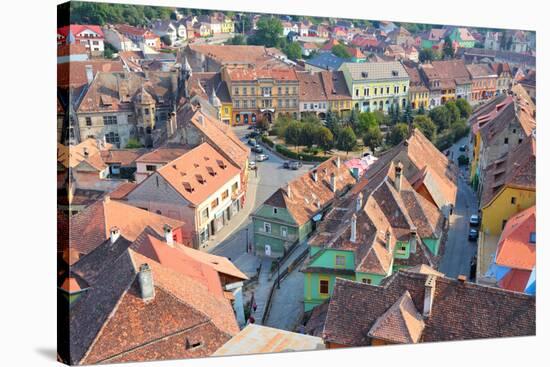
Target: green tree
243,24
366,121
293,133
421,110
341,51
238,39
426,126
448,50
399,132
373,138
133,144
426,54
454,111
440,116
464,107
269,32
293,50
325,139
308,134
347,140
280,125
166,40
353,117
263,124
407,114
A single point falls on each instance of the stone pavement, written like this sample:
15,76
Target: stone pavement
287,303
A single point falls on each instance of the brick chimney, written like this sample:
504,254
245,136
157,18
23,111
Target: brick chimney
168,235
387,239
333,182
398,176
353,236
359,202
412,240
146,284
429,292
314,175
115,234
89,74
337,161
461,278
288,190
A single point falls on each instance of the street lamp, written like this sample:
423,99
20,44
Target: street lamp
278,279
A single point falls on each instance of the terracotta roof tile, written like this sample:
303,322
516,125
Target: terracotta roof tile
73,74
459,310
515,249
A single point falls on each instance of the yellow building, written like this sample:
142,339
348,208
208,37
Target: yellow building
228,26
258,93
509,187
377,85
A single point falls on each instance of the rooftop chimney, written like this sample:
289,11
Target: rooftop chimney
168,235
461,278
115,234
353,236
288,190
89,74
146,284
387,239
412,240
429,292
359,202
398,176
85,151
314,175
333,182
338,162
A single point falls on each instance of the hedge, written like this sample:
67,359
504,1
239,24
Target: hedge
298,156
267,141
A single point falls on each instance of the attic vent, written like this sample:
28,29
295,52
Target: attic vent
200,179
211,171
106,100
394,73
188,187
174,166
221,164
196,165
364,74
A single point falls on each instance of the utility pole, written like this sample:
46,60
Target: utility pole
278,276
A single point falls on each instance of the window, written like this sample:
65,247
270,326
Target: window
387,90
323,286
244,91
340,260
368,91
280,103
112,138
375,91
532,237
505,140
267,227
88,121
253,91
253,103
404,89
236,91
204,214
504,223
305,106
275,210
513,200
357,93
234,187
215,203
279,90
150,168
109,120
245,104
284,231
286,90
225,194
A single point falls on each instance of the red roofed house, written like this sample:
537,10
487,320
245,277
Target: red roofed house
90,36
201,188
515,258
140,36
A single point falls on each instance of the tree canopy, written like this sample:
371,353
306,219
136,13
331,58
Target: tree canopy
269,32
347,140
398,133
341,51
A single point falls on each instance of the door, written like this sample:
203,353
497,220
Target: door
267,250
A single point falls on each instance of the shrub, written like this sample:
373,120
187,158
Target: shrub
281,149
267,141
463,160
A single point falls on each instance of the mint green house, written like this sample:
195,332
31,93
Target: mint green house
368,240
290,214
463,37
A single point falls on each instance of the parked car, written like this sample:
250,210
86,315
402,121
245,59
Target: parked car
286,164
295,165
474,220
258,149
473,234
262,157
447,152
462,148
250,127
252,165
251,142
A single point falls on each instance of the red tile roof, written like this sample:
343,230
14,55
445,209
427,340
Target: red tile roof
73,74
76,29
199,173
515,250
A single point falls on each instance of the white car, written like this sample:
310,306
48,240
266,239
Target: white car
262,157
252,165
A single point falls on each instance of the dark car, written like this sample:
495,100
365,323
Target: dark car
447,152
462,148
250,127
473,234
258,149
295,165
251,142
286,164
475,220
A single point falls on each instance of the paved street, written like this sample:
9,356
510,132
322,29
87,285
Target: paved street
270,176
458,250
287,304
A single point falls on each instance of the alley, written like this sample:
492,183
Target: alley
458,250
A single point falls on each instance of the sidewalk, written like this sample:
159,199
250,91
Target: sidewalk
239,219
